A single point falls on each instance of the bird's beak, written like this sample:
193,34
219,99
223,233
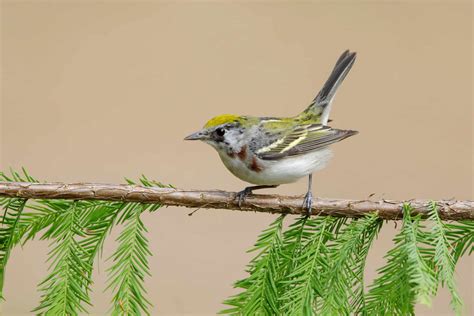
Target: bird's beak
196,136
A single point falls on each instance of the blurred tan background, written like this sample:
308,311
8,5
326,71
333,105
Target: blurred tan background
96,91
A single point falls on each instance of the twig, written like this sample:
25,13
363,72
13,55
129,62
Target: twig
387,209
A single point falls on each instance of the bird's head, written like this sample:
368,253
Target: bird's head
224,132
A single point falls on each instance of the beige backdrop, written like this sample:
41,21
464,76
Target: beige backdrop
98,91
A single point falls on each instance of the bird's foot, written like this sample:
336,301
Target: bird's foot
308,203
242,195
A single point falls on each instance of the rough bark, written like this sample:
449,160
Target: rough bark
387,209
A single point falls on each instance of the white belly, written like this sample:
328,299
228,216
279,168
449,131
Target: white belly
281,171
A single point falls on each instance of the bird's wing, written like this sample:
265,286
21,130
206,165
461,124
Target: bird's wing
303,139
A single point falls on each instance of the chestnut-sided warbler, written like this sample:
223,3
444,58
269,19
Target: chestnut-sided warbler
269,151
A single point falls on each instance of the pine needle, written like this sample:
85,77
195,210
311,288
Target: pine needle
65,289
260,295
443,260
305,282
13,209
345,276
130,267
406,278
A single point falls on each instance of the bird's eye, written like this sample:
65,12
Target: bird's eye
220,131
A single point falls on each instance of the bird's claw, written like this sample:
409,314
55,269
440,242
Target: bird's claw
240,196
308,202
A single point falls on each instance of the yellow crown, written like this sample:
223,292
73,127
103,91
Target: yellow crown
222,119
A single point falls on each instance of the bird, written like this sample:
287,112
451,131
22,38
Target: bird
270,151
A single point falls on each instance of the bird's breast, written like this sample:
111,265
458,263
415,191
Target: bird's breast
248,167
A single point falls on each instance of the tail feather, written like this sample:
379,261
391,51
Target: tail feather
321,105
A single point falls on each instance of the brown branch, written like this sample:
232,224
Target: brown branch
387,209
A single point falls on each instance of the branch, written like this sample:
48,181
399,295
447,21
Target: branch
387,209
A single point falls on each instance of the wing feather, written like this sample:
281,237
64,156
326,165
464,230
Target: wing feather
303,139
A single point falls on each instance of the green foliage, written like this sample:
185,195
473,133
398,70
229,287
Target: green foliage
78,230
314,266
461,236
443,259
65,288
305,282
8,231
344,290
130,265
261,296
318,267
407,276
99,218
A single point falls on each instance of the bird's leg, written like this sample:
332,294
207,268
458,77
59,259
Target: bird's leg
308,198
240,196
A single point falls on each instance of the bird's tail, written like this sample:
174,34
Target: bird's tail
321,105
